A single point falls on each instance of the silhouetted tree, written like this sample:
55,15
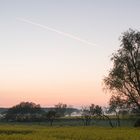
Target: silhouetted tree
117,105
86,115
95,110
25,111
60,109
89,112
123,79
50,116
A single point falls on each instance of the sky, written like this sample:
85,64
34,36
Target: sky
55,51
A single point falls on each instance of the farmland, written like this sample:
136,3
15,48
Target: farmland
42,132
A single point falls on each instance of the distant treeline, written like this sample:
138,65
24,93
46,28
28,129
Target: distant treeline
31,112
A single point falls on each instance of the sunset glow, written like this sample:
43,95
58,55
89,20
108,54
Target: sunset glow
59,51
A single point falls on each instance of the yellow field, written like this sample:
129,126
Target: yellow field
38,132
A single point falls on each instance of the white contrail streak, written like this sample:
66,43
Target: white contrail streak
57,31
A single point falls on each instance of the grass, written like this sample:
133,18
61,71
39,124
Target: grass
39,132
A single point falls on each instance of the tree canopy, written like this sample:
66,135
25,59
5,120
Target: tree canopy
25,111
60,109
123,79
25,107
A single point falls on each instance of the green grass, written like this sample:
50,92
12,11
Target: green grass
38,132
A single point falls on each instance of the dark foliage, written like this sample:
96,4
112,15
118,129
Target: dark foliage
88,113
60,109
50,116
137,123
123,79
25,111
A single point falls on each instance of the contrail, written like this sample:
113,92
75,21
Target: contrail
57,31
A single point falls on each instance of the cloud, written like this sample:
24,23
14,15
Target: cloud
57,31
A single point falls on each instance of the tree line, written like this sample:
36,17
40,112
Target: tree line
31,112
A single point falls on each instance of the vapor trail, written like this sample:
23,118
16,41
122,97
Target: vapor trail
57,31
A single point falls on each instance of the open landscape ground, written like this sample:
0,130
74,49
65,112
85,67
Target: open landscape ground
42,132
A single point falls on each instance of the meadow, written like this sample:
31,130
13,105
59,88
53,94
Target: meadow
40,132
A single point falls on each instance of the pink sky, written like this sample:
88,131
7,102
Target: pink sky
72,92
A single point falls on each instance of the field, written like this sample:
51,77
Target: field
39,132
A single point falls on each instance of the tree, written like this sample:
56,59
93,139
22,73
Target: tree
89,112
86,115
123,79
25,111
50,116
60,109
117,105
96,110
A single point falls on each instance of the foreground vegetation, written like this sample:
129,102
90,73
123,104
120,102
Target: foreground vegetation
39,132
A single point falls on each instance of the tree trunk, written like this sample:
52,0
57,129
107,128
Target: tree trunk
110,122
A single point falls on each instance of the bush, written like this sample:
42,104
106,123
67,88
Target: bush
137,123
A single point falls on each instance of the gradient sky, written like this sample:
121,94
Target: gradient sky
43,66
